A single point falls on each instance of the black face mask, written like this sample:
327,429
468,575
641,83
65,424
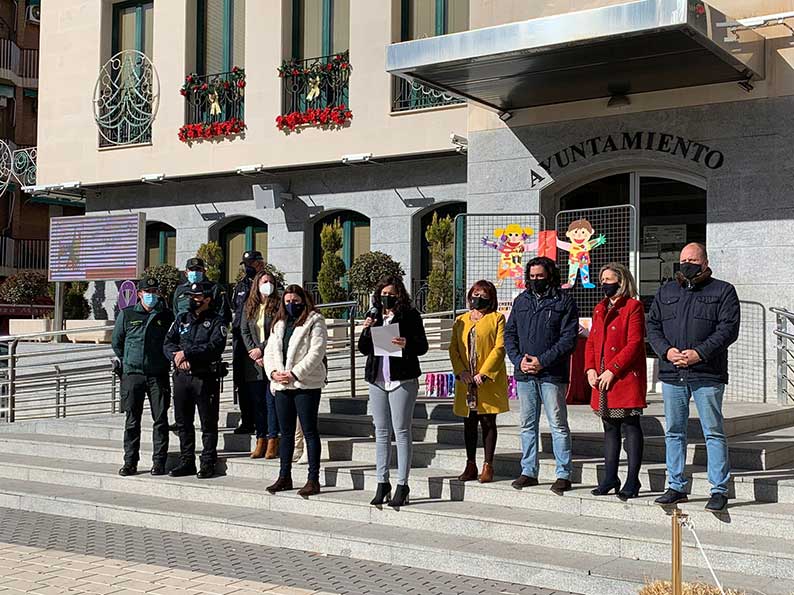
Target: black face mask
539,286
250,272
690,270
294,310
388,301
610,289
480,303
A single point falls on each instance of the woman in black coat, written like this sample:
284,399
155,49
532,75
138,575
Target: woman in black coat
393,383
258,311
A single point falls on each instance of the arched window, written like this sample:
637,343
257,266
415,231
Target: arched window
160,244
355,237
239,236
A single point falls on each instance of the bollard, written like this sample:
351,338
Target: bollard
676,561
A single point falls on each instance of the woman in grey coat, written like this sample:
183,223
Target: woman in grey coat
258,311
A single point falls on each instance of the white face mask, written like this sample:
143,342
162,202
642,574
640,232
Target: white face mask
266,288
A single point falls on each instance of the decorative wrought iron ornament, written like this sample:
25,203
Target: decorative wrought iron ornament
126,98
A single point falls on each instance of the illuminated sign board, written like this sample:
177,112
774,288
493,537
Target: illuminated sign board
97,248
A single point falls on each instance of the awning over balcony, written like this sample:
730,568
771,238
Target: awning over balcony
647,45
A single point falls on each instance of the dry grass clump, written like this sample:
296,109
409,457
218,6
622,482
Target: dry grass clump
666,588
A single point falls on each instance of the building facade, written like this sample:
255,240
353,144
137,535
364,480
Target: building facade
687,121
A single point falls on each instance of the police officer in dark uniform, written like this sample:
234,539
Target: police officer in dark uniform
253,262
196,272
195,343
138,337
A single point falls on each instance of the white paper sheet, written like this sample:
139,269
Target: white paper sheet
381,340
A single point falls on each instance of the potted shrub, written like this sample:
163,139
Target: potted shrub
26,288
332,271
440,236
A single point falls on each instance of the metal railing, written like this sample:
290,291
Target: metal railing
58,380
315,83
214,97
18,254
784,333
29,65
411,95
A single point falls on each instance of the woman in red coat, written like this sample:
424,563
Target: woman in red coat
615,364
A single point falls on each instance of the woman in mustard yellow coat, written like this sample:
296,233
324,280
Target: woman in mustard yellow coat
477,351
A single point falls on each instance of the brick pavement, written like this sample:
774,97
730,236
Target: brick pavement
51,555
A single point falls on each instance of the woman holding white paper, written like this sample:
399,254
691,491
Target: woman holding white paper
393,380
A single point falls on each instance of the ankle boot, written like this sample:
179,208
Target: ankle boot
469,473
272,448
382,494
400,497
259,450
487,473
311,488
282,483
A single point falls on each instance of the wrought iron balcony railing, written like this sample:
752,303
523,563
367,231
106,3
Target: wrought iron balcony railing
214,97
17,255
315,82
29,66
126,97
410,95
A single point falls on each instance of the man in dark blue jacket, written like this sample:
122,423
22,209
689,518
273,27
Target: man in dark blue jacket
539,338
692,321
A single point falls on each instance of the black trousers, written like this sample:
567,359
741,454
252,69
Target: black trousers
245,400
202,393
134,390
303,404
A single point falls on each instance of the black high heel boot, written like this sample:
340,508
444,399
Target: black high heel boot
604,490
400,497
382,494
625,494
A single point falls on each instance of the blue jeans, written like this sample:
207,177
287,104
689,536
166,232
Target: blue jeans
708,400
265,418
531,394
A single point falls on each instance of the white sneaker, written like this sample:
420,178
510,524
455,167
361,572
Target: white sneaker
304,459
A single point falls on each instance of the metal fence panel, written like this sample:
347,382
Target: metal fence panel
587,240
747,357
495,247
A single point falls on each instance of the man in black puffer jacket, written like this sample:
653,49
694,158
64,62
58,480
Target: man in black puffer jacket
692,322
540,336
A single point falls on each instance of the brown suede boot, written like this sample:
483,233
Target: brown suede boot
469,473
311,488
259,449
487,473
272,448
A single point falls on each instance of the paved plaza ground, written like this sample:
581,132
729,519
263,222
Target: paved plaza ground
51,555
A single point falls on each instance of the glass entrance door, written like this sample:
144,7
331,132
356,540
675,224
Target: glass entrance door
672,213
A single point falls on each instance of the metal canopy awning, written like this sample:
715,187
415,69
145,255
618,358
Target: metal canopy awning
647,45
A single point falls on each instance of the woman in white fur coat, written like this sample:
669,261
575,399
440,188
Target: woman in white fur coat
295,362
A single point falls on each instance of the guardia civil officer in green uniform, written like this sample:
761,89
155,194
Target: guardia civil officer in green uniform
138,337
195,343
196,272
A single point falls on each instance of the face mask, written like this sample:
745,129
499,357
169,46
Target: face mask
480,303
294,310
195,276
690,270
539,286
150,299
250,272
388,301
194,305
610,289
266,288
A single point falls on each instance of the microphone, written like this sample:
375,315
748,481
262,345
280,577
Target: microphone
373,313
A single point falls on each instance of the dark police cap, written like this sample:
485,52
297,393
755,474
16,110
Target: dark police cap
195,263
200,288
148,284
251,256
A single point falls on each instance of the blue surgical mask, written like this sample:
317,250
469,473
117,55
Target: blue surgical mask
195,276
150,299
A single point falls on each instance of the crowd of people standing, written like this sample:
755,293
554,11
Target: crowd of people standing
279,342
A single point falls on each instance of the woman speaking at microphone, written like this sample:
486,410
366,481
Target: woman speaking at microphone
393,384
